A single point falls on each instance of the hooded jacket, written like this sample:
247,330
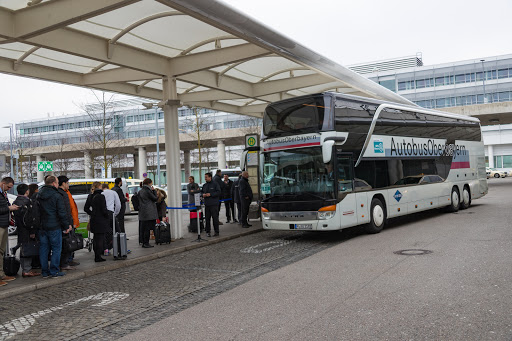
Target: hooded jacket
54,215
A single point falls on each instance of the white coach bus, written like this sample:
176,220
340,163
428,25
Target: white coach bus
330,161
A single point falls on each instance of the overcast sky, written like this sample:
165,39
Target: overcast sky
348,32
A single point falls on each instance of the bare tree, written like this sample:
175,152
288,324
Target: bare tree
200,123
63,165
104,131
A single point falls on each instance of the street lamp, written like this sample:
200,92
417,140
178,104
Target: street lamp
483,78
10,133
149,106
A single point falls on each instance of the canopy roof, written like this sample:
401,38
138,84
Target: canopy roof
221,58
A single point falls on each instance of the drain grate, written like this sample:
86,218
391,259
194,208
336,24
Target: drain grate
412,252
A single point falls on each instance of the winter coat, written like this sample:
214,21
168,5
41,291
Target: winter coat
24,231
67,204
228,186
5,214
235,191
96,207
214,190
218,180
122,198
192,188
245,190
54,215
161,205
147,207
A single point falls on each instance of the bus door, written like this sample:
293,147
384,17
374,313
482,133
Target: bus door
345,188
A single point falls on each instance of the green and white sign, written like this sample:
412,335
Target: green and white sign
45,166
251,140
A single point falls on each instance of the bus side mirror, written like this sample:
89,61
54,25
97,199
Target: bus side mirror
327,151
243,160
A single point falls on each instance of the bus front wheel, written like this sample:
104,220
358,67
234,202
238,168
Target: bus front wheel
377,216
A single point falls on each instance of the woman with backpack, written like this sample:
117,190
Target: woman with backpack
26,231
96,208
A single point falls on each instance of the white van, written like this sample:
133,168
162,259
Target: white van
81,188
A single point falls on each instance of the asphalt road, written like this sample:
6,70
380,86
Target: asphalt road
300,286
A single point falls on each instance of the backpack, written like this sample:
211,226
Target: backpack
32,214
135,202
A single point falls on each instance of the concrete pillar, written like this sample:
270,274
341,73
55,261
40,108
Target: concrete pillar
136,174
88,165
186,157
172,153
143,161
490,154
40,175
221,154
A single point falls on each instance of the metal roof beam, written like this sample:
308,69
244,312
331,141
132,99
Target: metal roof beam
280,85
50,15
116,75
6,23
209,79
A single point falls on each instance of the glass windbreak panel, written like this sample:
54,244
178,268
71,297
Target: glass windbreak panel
507,161
298,116
297,175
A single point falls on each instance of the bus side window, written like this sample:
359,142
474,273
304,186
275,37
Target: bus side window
344,174
78,189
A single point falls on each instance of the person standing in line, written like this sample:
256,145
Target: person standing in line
55,220
74,213
235,194
148,213
65,257
229,204
113,207
161,205
192,189
5,216
120,217
33,189
211,193
96,208
25,232
218,180
245,198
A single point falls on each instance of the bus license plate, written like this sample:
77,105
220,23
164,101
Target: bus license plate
303,226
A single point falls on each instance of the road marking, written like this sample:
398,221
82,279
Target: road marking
21,324
275,244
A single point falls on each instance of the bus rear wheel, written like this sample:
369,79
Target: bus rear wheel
466,198
454,200
377,216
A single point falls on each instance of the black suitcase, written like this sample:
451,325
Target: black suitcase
11,264
162,233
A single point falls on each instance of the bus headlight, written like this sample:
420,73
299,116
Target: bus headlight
327,212
265,214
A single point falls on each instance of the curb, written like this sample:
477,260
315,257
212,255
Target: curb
118,265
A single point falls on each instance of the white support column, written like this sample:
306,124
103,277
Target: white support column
221,154
88,165
136,174
172,153
143,161
40,175
186,157
490,154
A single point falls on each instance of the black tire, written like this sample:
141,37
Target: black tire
466,198
454,200
496,175
378,216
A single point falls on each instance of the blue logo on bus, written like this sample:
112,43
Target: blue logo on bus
378,147
397,195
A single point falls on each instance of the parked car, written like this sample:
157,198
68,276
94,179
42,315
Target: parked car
495,173
132,189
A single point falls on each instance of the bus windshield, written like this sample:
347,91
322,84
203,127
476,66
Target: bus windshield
299,116
297,174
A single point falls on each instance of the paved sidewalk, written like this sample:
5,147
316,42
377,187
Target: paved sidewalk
138,255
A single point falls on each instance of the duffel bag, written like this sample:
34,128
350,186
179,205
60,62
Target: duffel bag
70,242
30,249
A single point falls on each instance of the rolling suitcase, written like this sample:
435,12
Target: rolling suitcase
162,233
120,245
193,221
11,264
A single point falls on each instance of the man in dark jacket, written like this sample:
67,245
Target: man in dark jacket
245,198
211,194
54,221
148,214
65,257
25,232
235,194
120,217
218,180
226,195
5,216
